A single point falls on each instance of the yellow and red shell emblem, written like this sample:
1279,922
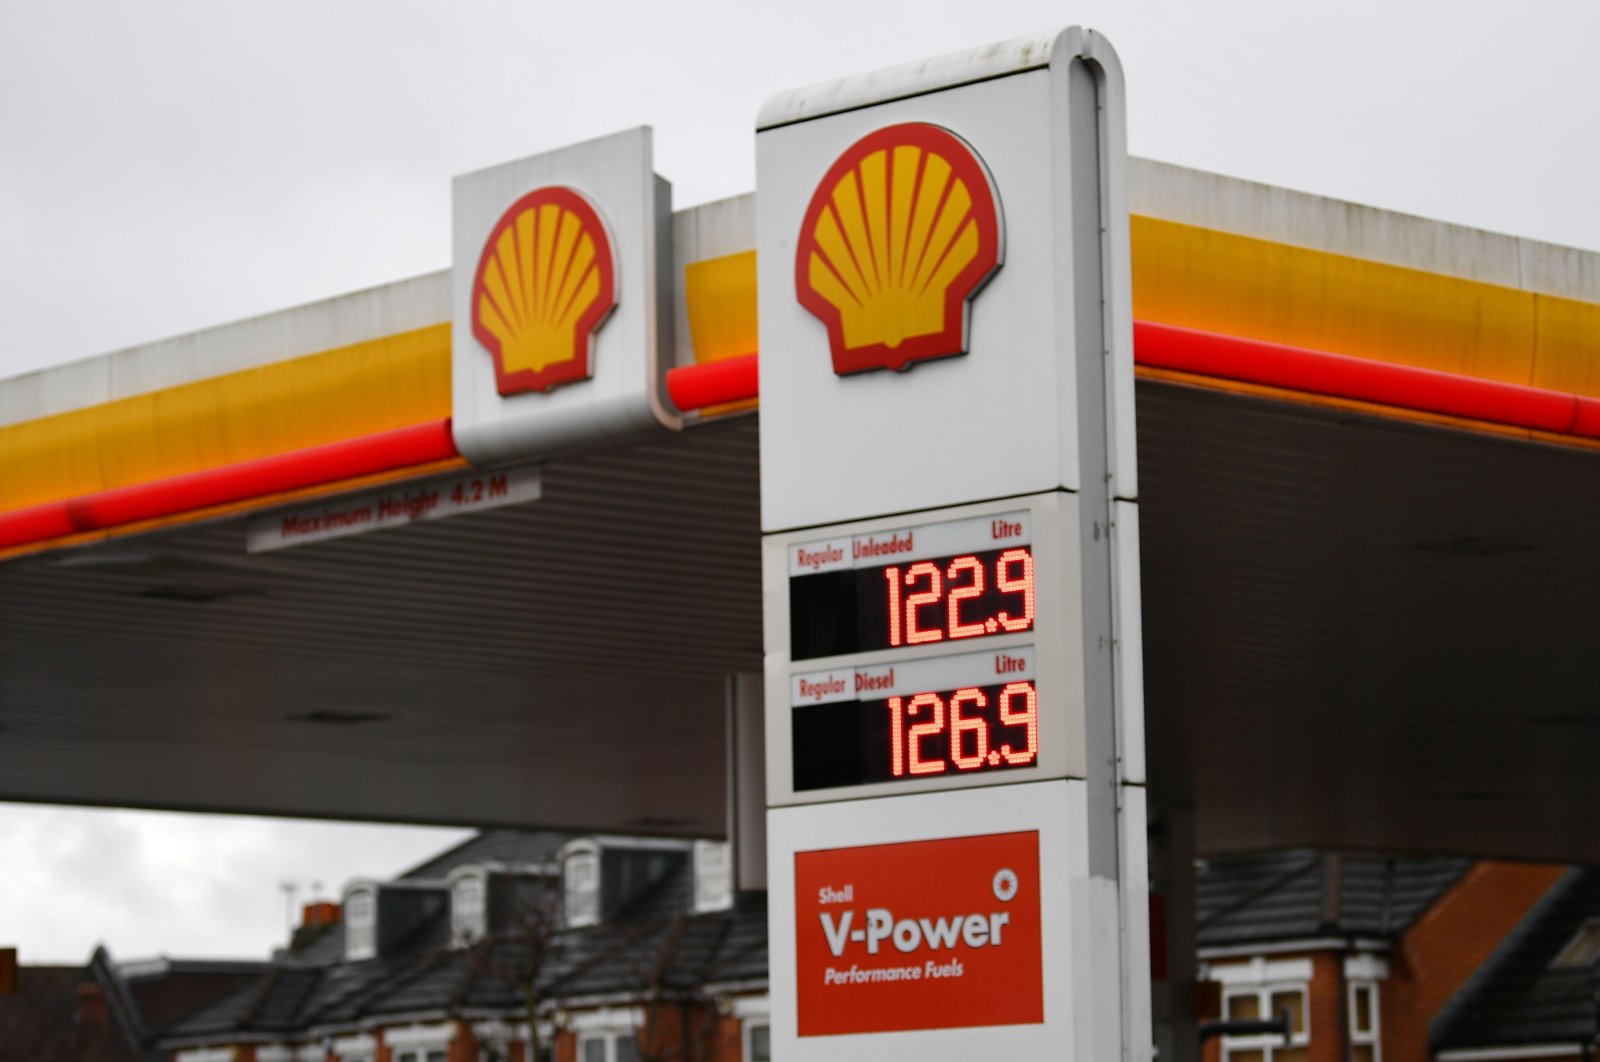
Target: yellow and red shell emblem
546,280
900,234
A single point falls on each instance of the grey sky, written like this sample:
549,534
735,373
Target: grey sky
171,164
149,883
167,165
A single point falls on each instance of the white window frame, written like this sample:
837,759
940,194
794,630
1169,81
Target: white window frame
360,930
1262,978
291,1053
610,1040
1269,1044
419,1039
1372,1037
207,1054
419,1053
713,876
580,902
361,1047
751,1011
469,926
746,1029
1584,933
607,1025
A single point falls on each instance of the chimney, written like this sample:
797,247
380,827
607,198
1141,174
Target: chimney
316,918
320,913
1332,879
8,971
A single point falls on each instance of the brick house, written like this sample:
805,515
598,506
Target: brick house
1375,959
619,949
102,1012
1537,994
625,949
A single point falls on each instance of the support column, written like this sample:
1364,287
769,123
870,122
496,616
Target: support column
747,781
1172,900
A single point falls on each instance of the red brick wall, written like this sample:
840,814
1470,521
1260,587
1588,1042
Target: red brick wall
1325,1009
464,1045
1448,943
663,1031
729,1041
693,1032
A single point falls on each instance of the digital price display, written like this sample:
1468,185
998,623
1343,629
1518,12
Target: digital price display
964,579
918,719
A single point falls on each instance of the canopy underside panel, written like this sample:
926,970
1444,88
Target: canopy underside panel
1359,632
1368,633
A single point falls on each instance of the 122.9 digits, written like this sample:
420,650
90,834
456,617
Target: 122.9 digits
915,602
963,580
920,735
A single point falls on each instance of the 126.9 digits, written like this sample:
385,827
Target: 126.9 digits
931,732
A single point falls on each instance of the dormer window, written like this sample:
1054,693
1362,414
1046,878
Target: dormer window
1582,950
360,923
581,877
469,906
713,876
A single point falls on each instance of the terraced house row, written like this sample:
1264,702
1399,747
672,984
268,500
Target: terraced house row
625,949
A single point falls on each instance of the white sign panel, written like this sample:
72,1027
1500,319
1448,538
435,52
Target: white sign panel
924,299
943,925
906,679
911,543
561,300
956,813
356,515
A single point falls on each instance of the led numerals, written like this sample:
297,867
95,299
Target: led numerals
922,585
915,720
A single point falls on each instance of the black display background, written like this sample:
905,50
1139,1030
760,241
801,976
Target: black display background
847,611
848,742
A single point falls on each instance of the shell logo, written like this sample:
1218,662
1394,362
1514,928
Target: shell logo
901,233
546,281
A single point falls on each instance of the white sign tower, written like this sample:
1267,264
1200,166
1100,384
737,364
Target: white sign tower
955,751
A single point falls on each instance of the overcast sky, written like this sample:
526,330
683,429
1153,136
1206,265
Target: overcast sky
170,165
152,883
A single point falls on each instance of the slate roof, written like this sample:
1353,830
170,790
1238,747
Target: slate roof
319,949
654,941
492,846
1278,896
104,1012
40,1021
149,996
1515,997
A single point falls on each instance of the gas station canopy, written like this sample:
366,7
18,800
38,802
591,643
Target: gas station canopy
1366,445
